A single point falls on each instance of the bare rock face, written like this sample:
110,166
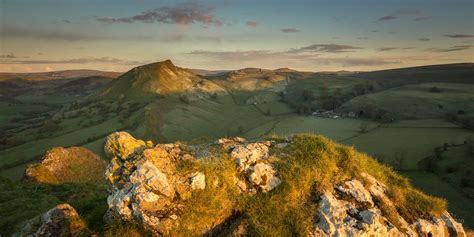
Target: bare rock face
146,185
249,154
155,187
67,165
264,176
62,220
252,161
350,210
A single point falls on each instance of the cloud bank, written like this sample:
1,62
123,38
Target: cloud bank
183,14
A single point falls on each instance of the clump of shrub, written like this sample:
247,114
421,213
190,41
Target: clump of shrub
185,99
435,89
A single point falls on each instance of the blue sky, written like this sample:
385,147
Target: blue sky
44,35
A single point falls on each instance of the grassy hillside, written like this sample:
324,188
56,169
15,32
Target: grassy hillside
148,81
251,103
420,101
451,73
308,167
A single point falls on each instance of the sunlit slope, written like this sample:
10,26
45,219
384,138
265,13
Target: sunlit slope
161,78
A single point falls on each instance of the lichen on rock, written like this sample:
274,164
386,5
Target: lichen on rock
168,191
67,165
62,220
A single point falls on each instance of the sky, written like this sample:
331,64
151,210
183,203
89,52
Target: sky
309,35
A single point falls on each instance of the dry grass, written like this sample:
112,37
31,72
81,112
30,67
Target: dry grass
309,166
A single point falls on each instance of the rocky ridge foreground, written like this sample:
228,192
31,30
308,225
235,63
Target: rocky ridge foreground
148,186
305,185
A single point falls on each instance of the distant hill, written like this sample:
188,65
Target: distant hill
452,73
204,72
159,78
66,74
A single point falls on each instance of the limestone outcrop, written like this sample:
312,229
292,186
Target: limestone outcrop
67,165
353,210
161,187
62,220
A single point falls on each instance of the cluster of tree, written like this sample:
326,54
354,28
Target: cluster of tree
9,141
328,99
435,89
376,113
185,99
460,118
50,126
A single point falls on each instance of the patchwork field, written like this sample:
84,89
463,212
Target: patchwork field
404,126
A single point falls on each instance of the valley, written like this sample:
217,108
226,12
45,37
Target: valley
419,121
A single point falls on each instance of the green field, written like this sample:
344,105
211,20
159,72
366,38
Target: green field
417,120
417,101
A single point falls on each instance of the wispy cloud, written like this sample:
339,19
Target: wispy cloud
290,30
450,49
84,60
33,33
459,36
259,55
423,39
48,35
251,23
183,14
351,62
422,18
387,49
387,18
8,56
326,48
238,54
404,13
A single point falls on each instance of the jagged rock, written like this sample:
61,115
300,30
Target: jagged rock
247,155
62,220
121,145
333,219
155,187
197,181
356,189
282,145
264,177
443,226
454,227
229,143
67,165
343,217
144,184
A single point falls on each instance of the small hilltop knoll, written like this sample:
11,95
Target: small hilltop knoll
66,165
304,185
161,78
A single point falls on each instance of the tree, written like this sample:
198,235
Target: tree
338,92
435,89
49,126
470,146
308,95
363,127
324,92
184,99
399,159
359,89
